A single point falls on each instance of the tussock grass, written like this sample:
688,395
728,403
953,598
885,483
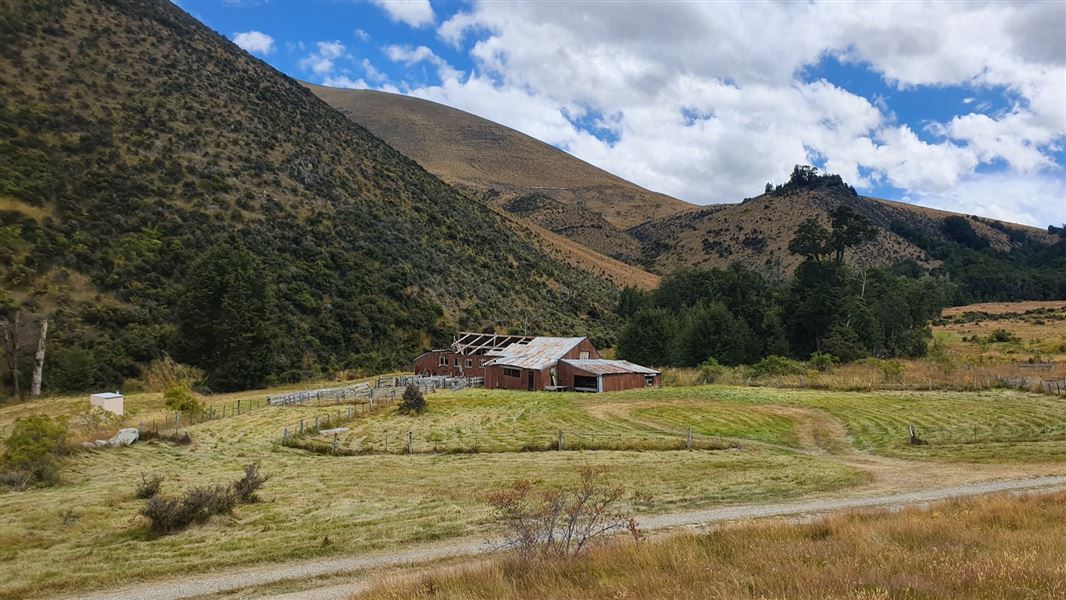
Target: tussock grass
999,547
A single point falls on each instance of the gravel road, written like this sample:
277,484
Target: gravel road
189,586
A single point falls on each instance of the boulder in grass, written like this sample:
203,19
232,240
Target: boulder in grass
124,437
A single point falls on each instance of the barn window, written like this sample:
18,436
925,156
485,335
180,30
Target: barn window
469,362
457,361
584,356
649,380
509,372
442,361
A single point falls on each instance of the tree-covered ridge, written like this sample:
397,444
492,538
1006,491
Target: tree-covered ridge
136,142
737,316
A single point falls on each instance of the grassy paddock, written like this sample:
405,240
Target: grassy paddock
999,547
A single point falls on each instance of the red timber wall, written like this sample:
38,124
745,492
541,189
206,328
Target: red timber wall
612,382
616,382
429,364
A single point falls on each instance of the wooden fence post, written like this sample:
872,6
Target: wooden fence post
334,443
560,447
285,436
410,443
688,443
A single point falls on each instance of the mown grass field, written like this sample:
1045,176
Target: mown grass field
790,443
1000,547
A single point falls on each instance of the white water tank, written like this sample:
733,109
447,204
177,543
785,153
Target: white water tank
109,401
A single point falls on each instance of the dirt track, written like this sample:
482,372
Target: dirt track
294,571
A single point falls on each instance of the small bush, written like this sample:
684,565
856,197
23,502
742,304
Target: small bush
149,485
711,371
197,505
822,361
414,403
30,452
246,487
773,366
1000,336
892,369
181,399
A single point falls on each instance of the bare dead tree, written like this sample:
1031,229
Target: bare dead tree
38,367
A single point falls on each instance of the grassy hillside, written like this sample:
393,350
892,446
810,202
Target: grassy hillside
529,178
134,139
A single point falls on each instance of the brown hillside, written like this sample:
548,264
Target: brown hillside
551,188
756,232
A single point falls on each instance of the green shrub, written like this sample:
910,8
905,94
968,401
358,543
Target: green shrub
773,366
181,399
1002,336
30,451
822,361
891,369
711,371
414,403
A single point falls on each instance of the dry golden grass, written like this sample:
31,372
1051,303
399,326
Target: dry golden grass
998,308
998,547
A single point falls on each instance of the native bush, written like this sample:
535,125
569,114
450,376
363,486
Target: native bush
181,399
773,366
711,371
822,361
31,451
413,403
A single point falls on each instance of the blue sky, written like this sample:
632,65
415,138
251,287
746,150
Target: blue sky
956,106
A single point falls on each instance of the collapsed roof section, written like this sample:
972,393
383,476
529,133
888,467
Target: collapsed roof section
538,353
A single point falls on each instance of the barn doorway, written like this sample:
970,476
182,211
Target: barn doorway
530,388
585,384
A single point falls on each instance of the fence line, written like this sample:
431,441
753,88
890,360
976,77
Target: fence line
174,421
370,390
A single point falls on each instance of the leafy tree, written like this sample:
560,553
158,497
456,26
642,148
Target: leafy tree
849,229
227,318
631,301
649,338
810,240
711,331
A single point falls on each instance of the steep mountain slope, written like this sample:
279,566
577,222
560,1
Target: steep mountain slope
540,183
756,232
135,139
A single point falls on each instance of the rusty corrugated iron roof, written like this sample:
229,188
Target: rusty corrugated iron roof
538,353
601,366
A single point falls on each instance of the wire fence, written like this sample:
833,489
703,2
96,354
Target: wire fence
370,390
174,421
1054,387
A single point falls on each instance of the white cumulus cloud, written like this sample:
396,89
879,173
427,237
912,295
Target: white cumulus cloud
416,13
254,41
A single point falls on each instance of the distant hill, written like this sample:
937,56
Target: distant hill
135,139
530,179
756,232
553,191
